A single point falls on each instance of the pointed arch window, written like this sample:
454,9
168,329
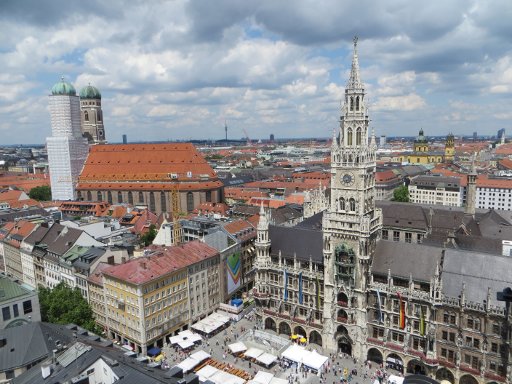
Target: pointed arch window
190,202
358,136
119,197
357,103
99,197
352,203
152,207
342,204
109,197
130,197
141,197
89,196
86,116
351,103
349,136
163,202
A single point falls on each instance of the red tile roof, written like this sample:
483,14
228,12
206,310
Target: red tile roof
206,208
384,176
145,167
506,163
96,277
163,261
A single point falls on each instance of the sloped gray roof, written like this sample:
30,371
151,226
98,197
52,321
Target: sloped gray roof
303,243
404,260
479,271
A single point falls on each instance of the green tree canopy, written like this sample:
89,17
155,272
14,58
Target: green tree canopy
147,238
41,193
401,194
64,305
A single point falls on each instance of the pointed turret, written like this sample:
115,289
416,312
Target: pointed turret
373,141
354,81
471,189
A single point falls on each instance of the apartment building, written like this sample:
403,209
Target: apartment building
435,190
148,298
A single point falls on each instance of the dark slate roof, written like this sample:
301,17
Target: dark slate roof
12,214
404,260
59,239
479,271
313,222
407,215
29,343
36,236
303,243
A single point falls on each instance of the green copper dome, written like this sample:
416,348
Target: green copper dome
63,88
90,92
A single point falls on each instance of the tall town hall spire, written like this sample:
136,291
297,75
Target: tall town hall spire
354,81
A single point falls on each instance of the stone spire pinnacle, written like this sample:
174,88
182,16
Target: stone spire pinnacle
354,82
373,141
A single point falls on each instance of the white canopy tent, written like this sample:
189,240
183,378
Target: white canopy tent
193,361
300,355
184,344
392,379
211,323
185,337
267,359
217,376
253,353
263,377
277,380
237,347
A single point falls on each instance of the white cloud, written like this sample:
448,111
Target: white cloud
408,102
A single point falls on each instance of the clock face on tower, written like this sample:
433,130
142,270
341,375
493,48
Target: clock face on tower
347,179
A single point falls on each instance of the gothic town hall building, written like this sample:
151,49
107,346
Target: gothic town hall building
421,301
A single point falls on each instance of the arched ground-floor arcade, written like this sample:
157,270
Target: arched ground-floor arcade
287,328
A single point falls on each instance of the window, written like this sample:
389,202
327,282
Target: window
152,206
190,202
445,335
6,313
86,116
27,307
358,133
352,205
357,103
408,237
378,332
119,197
98,196
109,197
351,103
449,318
385,234
163,202
342,204
141,197
396,236
494,347
349,136
208,196
15,311
89,196
130,197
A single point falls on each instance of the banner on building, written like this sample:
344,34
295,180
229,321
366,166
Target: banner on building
234,272
422,322
402,311
379,302
300,288
285,282
317,293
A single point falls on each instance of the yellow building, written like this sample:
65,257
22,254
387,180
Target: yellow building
146,299
422,153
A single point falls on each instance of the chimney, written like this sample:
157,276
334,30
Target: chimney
46,369
143,265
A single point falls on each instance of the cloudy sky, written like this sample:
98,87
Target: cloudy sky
179,69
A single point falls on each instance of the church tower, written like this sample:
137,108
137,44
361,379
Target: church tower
351,224
449,148
92,115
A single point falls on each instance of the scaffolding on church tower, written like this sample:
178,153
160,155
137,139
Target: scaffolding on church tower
175,212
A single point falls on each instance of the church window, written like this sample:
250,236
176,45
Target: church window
152,207
130,197
98,196
352,205
208,196
342,204
190,202
86,116
109,197
349,136
141,197
358,136
351,103
119,197
89,196
79,195
357,103
163,201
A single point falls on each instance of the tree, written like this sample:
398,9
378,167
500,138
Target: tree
149,236
401,194
41,193
64,305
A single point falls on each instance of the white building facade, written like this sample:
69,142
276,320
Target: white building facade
67,149
435,190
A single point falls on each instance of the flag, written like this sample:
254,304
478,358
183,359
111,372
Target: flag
381,316
285,285
300,288
317,294
422,322
402,311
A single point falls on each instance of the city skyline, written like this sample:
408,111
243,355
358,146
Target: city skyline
190,66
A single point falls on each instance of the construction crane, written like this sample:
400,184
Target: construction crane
247,137
175,212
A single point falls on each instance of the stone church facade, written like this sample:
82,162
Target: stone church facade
409,306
